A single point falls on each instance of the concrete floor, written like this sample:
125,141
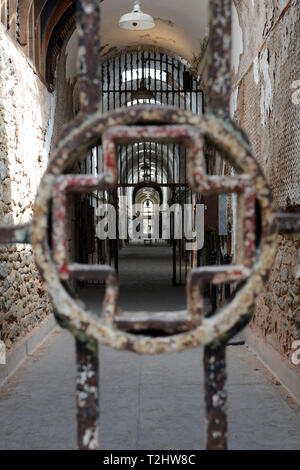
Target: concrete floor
146,402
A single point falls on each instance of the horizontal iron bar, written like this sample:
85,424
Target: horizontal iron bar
87,272
169,322
15,234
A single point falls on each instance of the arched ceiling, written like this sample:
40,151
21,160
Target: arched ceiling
181,26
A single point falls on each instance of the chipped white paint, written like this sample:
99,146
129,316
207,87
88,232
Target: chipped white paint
26,124
237,41
87,437
256,70
216,401
266,97
234,102
88,9
49,131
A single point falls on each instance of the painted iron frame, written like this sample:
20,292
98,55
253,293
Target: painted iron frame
84,132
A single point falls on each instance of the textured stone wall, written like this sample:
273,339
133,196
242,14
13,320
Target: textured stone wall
262,104
277,316
26,122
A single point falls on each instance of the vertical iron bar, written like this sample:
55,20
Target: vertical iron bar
89,64
156,163
161,81
173,103
197,99
219,80
219,89
227,260
89,73
213,288
114,82
125,104
174,254
126,70
215,397
150,144
97,203
87,395
178,84
102,88
131,84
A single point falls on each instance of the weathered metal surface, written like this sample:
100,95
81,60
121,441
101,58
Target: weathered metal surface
212,275
219,59
219,89
167,322
89,69
223,137
87,395
215,397
15,234
193,137
63,185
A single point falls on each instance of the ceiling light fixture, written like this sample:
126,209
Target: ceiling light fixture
136,20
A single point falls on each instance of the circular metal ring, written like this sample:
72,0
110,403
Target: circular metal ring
86,134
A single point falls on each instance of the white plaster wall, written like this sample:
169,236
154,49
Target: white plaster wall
237,41
26,122
26,125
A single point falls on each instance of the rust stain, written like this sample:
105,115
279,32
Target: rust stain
167,22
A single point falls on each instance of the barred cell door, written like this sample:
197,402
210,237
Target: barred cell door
140,78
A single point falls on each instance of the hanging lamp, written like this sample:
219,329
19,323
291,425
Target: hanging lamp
136,20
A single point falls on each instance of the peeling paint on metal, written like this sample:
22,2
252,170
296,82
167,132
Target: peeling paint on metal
214,129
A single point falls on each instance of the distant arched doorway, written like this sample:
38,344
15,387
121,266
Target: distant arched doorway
159,169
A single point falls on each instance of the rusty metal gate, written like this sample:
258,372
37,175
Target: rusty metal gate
137,78
157,124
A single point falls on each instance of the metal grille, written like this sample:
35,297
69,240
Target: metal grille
148,77
142,78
